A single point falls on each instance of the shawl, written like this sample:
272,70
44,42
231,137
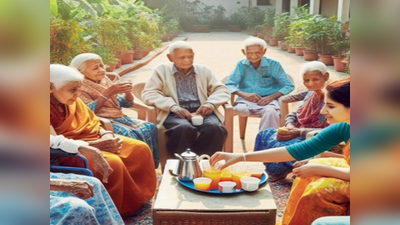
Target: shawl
90,91
309,114
80,123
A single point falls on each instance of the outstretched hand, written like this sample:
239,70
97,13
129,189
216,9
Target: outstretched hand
230,159
118,88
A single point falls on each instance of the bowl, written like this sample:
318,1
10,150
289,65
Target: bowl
250,183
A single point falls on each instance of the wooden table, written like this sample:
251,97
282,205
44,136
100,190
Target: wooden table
175,204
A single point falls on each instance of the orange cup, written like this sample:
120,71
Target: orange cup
214,175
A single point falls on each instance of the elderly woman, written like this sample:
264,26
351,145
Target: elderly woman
76,199
298,124
133,179
105,99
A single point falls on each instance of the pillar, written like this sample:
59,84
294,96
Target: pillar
278,6
343,10
293,3
314,6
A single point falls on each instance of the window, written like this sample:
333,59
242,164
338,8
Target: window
263,2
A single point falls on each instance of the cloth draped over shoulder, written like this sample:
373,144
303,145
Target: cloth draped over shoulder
308,114
160,90
91,91
133,180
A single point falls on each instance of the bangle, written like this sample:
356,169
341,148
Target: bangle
106,132
102,96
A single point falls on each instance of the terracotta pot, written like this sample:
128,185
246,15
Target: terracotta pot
338,64
290,49
127,57
139,54
299,51
310,55
326,59
111,67
118,56
198,28
273,42
283,45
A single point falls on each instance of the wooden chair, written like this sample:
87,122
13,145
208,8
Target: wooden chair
243,119
162,139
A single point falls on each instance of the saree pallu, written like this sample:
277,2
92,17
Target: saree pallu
316,197
133,180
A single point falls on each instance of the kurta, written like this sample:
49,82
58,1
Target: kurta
133,180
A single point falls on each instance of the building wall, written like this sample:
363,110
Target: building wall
232,6
329,7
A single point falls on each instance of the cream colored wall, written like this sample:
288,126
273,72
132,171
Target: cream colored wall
232,6
329,7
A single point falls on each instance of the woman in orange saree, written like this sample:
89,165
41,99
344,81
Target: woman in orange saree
133,180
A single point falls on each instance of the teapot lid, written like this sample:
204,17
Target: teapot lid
188,154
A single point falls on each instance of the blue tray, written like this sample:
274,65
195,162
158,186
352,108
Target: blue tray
190,185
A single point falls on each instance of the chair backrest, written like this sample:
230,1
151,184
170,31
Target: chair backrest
137,90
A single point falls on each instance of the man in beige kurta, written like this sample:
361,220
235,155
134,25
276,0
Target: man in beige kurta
182,89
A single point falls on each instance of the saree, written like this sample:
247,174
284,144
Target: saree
307,115
66,208
122,124
316,197
133,180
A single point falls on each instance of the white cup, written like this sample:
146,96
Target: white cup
226,186
197,120
250,183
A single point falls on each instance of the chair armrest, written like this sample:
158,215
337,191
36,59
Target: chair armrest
228,124
145,112
55,152
106,124
113,76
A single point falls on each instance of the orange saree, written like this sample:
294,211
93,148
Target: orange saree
133,180
318,196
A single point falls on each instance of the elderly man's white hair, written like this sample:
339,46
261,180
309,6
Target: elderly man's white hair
179,45
254,41
79,62
313,66
61,75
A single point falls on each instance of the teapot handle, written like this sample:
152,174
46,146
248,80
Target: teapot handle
204,156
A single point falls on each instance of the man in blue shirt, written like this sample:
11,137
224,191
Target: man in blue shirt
258,81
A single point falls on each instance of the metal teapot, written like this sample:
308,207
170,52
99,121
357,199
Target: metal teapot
189,166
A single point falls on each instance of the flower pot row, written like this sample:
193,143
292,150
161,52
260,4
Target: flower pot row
328,60
126,58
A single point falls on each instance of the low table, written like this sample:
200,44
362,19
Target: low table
175,204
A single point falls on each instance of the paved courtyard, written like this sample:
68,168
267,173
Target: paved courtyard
220,51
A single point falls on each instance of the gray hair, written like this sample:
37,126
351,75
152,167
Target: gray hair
61,75
79,62
313,66
254,41
179,45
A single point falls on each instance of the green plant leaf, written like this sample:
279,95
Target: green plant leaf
53,8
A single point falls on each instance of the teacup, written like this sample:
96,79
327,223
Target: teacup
202,183
250,183
197,120
226,186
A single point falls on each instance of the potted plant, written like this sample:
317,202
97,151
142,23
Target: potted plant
341,45
236,22
281,28
108,58
296,29
196,16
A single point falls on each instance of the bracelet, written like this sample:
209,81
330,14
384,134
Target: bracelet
101,95
106,132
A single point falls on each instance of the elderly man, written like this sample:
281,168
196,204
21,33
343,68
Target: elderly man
182,89
259,81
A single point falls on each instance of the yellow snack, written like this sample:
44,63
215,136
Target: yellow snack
282,129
